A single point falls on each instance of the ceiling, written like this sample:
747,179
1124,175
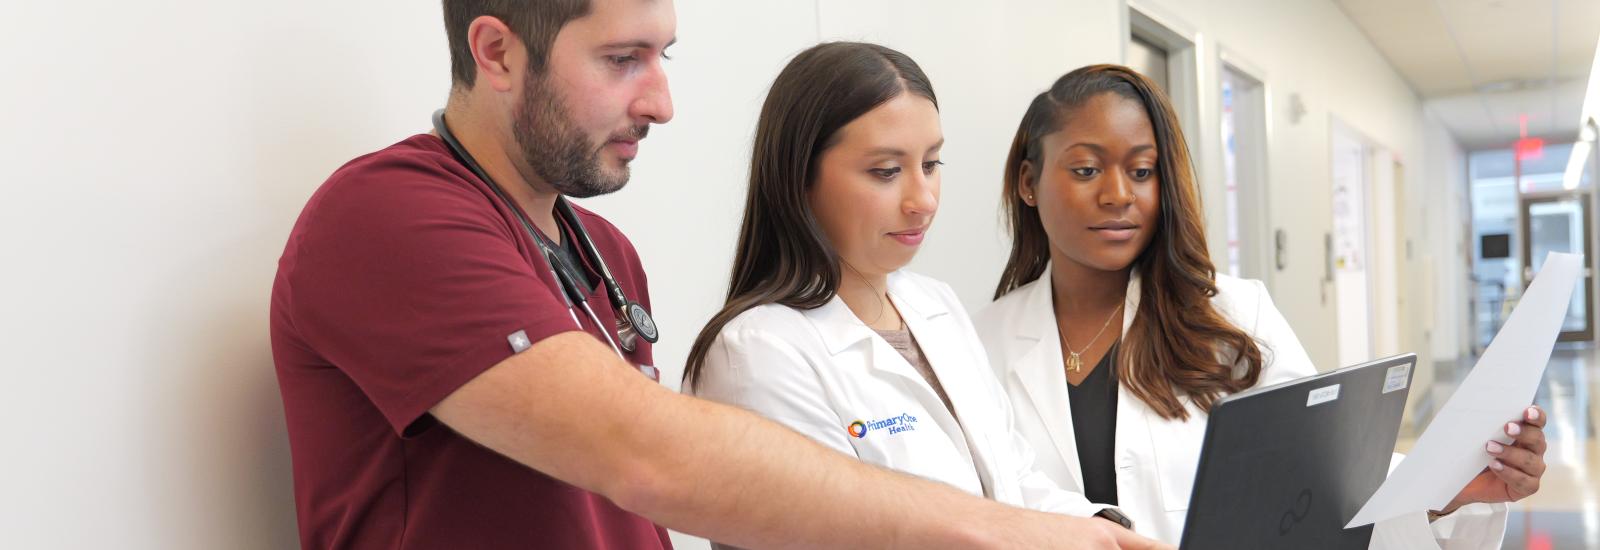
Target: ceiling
1480,66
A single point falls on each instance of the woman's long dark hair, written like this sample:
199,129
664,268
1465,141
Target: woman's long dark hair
1178,342
783,256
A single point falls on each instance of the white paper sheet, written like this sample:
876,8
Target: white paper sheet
1503,383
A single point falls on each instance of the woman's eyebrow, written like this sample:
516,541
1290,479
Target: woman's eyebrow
1086,145
1101,149
889,150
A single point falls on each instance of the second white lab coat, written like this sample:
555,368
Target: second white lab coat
825,374
1155,458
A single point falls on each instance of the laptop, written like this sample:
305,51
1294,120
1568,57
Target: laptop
1287,466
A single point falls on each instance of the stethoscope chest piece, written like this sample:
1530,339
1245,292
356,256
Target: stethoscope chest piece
633,322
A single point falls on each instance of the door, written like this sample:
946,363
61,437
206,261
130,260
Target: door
1244,165
1560,223
1347,252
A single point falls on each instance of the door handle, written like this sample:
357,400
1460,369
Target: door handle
1280,246
1327,257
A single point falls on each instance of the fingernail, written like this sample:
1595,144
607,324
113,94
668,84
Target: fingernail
1495,448
1512,429
1496,465
1533,414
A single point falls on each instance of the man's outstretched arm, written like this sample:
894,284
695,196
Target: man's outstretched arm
569,407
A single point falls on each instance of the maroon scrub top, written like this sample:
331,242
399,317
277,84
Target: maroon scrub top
404,278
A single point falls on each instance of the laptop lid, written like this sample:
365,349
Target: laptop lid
1287,466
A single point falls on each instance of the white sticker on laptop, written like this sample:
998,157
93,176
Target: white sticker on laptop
1322,395
1397,378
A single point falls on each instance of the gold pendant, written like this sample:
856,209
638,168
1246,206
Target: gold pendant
1074,364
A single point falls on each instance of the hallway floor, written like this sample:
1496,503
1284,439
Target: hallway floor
1565,513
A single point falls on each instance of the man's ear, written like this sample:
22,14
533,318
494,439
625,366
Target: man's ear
496,52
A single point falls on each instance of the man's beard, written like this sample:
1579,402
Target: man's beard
556,149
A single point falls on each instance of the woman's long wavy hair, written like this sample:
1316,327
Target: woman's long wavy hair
1178,342
783,257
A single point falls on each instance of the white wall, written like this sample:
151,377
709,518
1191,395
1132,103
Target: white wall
155,156
1445,243
1384,245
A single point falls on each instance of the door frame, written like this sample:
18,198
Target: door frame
1254,207
1584,199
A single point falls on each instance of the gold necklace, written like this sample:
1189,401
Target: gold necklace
1075,358
875,292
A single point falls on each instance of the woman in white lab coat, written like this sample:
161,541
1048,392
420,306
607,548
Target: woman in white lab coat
823,330
1113,335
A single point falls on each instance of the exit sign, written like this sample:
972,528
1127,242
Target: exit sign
1529,148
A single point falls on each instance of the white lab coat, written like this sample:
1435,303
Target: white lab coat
819,371
1156,458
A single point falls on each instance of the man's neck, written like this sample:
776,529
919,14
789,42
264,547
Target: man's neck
481,137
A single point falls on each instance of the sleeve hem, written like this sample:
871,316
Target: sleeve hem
409,420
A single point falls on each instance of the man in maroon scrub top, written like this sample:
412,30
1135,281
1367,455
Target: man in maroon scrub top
441,393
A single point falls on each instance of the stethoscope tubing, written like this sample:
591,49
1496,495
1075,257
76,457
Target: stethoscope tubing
570,292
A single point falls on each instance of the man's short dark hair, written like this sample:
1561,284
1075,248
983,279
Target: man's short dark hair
536,22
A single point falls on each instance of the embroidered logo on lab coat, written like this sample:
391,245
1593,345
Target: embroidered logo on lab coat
895,424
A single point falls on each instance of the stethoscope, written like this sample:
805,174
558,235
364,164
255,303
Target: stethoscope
633,322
